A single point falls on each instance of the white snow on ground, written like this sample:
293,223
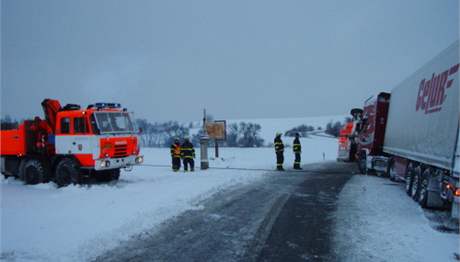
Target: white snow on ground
377,221
77,223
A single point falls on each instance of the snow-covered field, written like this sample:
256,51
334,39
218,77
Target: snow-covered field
76,223
270,126
377,221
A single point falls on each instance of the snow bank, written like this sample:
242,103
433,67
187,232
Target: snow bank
77,223
377,221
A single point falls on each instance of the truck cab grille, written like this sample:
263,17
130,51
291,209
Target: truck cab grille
120,151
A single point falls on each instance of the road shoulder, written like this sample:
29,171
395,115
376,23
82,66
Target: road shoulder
377,221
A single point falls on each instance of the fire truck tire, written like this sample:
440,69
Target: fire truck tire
408,180
416,183
32,171
67,172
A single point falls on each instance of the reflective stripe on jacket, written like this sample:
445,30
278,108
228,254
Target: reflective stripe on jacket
279,146
175,150
296,147
187,150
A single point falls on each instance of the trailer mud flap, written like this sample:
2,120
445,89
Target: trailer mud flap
434,199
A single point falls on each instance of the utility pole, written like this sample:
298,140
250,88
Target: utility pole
204,145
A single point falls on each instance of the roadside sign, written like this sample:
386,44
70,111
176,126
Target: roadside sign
217,130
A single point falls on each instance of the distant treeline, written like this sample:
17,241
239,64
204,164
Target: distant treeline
243,134
7,123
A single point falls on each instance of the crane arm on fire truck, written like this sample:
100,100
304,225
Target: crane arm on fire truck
50,108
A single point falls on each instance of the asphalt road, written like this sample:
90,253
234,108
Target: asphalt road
287,217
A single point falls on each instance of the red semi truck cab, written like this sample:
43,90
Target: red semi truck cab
71,143
371,133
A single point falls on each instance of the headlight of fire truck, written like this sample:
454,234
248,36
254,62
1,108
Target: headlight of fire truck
139,159
105,163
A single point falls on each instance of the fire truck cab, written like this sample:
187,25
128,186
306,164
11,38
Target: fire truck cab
70,144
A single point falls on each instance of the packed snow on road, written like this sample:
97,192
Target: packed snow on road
377,221
77,223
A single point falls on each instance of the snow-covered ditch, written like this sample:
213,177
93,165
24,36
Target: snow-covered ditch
77,223
377,221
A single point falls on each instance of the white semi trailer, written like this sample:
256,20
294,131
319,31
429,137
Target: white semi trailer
421,142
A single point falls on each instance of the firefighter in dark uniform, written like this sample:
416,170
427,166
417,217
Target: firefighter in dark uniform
175,155
279,150
297,148
188,155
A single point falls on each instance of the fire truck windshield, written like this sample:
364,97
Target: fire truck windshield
113,122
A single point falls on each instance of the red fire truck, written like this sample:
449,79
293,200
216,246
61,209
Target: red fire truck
71,143
347,148
412,134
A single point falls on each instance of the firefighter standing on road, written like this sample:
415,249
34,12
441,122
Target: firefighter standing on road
297,148
176,155
188,154
279,150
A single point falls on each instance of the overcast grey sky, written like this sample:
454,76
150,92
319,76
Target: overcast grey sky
239,59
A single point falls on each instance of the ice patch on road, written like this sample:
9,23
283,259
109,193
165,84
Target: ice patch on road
379,222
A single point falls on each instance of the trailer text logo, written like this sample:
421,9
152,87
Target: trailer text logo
432,93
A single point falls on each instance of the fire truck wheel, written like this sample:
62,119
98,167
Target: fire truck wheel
32,172
67,172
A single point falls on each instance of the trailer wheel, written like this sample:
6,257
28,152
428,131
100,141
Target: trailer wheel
408,180
67,172
32,171
423,192
416,182
391,173
362,165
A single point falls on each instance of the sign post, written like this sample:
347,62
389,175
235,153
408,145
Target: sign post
217,130
204,139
